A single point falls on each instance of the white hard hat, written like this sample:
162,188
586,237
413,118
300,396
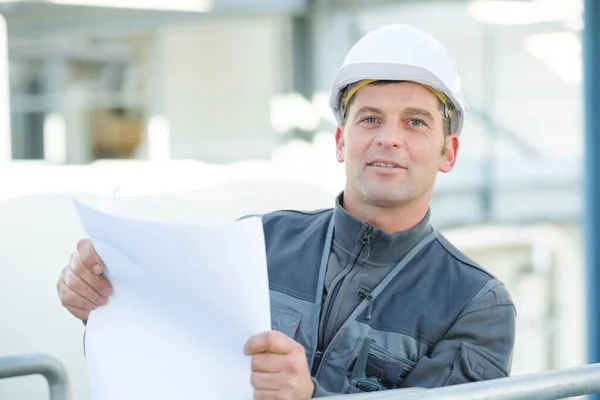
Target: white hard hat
401,53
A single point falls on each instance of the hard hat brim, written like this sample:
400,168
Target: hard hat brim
352,73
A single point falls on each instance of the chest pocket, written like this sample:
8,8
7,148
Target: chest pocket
285,320
387,368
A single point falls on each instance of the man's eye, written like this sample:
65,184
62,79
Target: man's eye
370,120
416,123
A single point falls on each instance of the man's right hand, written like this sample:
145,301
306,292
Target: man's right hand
81,286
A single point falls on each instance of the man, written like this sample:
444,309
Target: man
369,296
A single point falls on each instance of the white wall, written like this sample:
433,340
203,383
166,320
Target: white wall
218,79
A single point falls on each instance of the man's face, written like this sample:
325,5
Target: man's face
392,144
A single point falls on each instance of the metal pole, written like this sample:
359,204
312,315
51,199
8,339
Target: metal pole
591,214
48,367
488,107
5,126
302,61
552,385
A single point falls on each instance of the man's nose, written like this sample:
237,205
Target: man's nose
391,136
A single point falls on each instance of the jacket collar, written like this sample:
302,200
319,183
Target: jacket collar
384,249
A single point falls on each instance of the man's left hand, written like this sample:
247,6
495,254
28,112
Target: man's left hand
279,367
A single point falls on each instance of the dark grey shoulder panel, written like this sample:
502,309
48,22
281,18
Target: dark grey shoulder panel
428,295
294,241
459,255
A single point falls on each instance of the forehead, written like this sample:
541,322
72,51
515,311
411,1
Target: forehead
396,95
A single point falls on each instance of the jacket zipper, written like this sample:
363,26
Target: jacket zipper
366,239
370,309
365,294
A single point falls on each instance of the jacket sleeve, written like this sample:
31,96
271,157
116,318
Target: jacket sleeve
478,346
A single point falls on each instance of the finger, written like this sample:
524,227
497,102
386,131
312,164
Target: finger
99,283
272,341
268,362
266,395
89,257
82,288
79,313
72,299
265,381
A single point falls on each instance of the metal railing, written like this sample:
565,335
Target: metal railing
558,384
33,364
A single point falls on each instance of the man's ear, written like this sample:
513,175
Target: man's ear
450,153
339,143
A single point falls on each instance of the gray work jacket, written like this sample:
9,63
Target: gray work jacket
436,319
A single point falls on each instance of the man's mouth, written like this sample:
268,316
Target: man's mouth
384,165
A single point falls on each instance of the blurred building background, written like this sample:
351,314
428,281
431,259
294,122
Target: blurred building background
204,110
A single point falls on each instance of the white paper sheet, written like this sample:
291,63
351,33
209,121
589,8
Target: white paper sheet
185,300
